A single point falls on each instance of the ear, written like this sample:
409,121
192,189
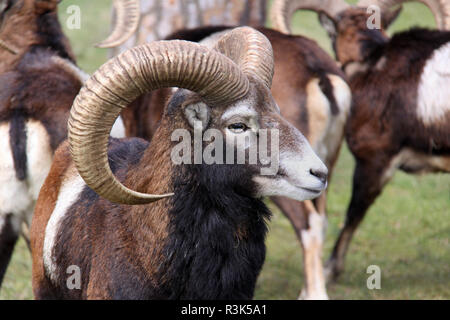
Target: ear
390,16
197,114
329,24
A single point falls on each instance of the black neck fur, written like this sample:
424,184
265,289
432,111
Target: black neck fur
216,246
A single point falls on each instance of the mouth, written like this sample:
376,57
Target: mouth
317,190
314,191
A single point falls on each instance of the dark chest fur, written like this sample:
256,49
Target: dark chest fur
216,247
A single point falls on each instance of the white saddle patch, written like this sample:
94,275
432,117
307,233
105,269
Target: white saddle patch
70,189
18,197
434,94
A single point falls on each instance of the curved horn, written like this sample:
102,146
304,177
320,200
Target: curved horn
439,8
127,21
282,10
215,77
251,51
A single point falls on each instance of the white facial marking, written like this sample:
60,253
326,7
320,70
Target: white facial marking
68,194
297,182
241,110
433,101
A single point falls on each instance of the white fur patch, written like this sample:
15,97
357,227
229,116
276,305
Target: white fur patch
333,137
342,94
68,194
315,231
39,156
18,197
326,130
296,166
14,196
242,110
319,114
434,94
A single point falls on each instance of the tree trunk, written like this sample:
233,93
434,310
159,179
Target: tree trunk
159,18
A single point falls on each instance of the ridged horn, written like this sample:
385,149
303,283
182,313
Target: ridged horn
251,50
282,10
127,21
215,77
439,8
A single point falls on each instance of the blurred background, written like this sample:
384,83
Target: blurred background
406,233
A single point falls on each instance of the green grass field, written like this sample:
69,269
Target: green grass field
406,233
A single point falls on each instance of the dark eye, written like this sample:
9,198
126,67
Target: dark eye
238,127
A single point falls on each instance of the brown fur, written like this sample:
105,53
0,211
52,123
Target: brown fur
49,192
20,29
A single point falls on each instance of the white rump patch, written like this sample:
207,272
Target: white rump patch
14,196
18,197
326,130
39,156
71,188
434,94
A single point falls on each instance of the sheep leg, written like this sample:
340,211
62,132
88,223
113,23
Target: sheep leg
25,232
8,238
309,226
368,182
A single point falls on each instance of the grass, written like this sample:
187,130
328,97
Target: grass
406,232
